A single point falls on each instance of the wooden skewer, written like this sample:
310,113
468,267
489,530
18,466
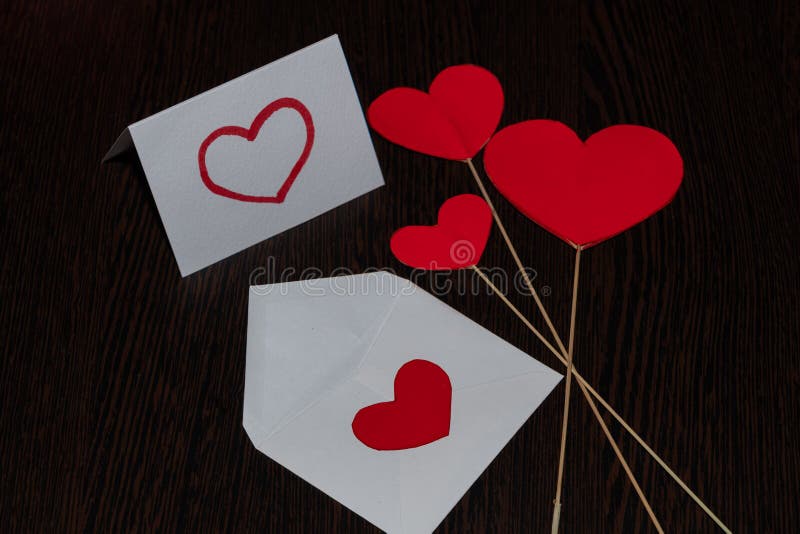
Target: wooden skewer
588,398
561,356
567,391
567,361
514,254
587,388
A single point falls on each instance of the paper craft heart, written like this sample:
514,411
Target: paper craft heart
453,120
584,192
418,415
457,241
250,134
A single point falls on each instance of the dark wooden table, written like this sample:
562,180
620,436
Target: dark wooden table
122,383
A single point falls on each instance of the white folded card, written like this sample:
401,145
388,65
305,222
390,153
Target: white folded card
257,155
324,398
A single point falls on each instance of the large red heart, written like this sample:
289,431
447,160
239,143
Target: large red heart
457,241
453,120
584,192
250,134
418,415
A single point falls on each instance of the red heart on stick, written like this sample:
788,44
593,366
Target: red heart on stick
457,241
453,120
418,415
250,134
584,192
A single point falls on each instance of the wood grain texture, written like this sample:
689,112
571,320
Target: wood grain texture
122,384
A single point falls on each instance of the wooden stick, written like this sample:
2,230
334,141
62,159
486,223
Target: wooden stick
586,386
567,391
583,383
540,305
599,418
514,254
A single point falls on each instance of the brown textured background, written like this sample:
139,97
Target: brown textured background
121,383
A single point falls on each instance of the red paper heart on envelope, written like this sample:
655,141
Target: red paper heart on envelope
418,415
453,120
250,134
584,192
457,241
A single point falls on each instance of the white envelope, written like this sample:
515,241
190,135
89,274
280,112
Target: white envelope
218,191
318,351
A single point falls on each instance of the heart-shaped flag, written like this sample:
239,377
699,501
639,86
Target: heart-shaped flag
250,134
584,192
457,241
453,120
418,415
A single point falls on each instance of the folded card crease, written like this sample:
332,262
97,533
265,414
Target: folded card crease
123,143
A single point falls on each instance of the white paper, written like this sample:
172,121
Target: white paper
204,227
318,351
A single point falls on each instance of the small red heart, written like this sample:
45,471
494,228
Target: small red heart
418,415
457,241
453,120
250,134
584,192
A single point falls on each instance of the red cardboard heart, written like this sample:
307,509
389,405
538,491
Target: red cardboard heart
584,192
418,415
250,134
457,241
453,120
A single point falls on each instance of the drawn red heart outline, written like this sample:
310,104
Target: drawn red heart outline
418,415
250,134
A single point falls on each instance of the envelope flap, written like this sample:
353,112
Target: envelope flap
303,339
422,326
